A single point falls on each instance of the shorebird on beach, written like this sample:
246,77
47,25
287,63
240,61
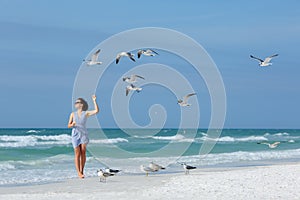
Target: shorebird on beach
103,175
132,78
271,146
187,168
266,62
147,52
124,54
155,167
94,60
131,87
146,169
184,102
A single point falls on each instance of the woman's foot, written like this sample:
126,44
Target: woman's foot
80,175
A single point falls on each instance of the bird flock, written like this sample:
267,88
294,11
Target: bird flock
151,168
133,79
154,167
150,52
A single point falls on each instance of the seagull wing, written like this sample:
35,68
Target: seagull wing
131,56
138,76
153,51
158,166
118,58
185,98
114,171
190,167
256,58
276,143
107,174
274,55
268,59
139,53
96,55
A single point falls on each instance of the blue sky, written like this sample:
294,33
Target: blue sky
42,44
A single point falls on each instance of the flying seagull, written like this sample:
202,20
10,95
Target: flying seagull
103,175
94,60
133,88
147,52
155,167
146,169
132,78
272,146
266,62
187,168
122,54
184,102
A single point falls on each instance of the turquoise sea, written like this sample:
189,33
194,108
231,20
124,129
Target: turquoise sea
34,156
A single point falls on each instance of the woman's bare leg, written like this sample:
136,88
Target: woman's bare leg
77,159
82,157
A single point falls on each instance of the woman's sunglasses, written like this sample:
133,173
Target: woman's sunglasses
77,102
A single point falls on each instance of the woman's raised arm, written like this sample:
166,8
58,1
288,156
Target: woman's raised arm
96,108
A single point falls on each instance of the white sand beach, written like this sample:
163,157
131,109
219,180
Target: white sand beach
263,182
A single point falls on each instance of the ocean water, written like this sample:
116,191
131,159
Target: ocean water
34,156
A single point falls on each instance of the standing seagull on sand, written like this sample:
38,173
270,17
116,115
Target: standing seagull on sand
271,146
146,169
184,102
94,60
122,54
132,78
187,168
148,52
103,175
133,88
266,62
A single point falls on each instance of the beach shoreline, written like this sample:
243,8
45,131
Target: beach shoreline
281,181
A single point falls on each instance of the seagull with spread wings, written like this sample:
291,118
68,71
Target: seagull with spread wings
132,78
184,102
94,59
147,52
271,146
266,62
132,87
124,54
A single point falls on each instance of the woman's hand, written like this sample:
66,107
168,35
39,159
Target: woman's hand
72,124
96,110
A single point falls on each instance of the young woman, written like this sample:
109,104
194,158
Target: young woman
80,138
